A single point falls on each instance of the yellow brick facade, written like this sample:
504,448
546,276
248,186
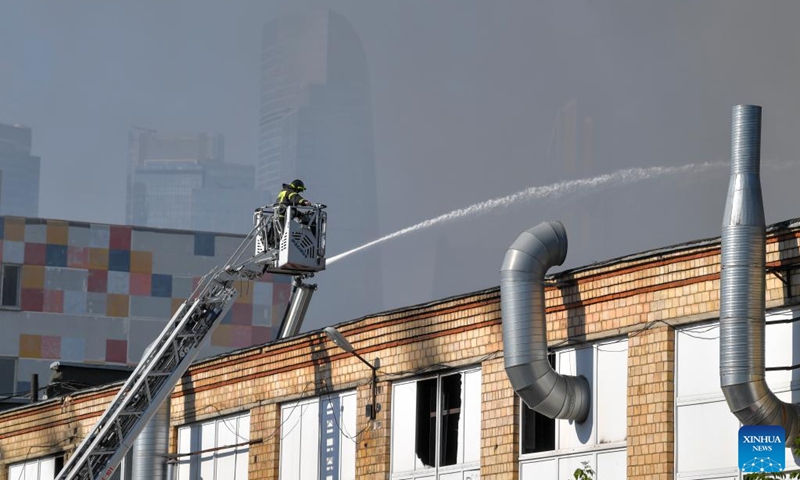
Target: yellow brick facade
643,297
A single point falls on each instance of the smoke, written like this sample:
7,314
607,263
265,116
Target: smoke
581,187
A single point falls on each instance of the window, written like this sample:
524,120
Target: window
436,425
538,431
9,286
8,370
39,469
318,438
218,449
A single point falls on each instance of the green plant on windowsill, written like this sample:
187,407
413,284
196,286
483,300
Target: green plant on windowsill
583,473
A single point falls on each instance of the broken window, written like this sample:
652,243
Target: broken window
445,431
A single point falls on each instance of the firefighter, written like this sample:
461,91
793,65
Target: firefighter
289,196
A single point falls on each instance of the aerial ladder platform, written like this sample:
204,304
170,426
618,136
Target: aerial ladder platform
288,240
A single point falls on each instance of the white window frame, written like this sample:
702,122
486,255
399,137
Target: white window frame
24,473
190,466
345,433
594,448
436,471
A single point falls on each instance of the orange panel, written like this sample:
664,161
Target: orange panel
117,305
98,258
30,346
57,232
14,229
32,276
141,262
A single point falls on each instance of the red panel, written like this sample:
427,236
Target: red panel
53,301
120,238
242,314
32,299
117,351
35,253
51,346
141,284
98,281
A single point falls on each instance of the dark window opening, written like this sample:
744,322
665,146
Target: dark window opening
59,464
426,422
10,288
451,413
538,431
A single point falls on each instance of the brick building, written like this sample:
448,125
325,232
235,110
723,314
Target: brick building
642,329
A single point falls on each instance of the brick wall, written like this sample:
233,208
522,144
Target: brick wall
651,401
630,296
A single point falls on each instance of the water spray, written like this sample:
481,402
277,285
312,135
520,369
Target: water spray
583,186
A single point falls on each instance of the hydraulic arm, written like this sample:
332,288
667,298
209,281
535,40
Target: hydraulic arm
285,247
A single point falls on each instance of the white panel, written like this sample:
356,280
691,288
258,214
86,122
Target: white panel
539,470
242,453
472,417
226,435
612,392
347,441
612,466
184,446
15,471
290,442
472,475
716,448
567,465
47,469
208,439
698,361
572,434
778,353
309,440
451,476
243,428
404,411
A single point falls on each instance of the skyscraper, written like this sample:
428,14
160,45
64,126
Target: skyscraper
316,125
183,181
19,172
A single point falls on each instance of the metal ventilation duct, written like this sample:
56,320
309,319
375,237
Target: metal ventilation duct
151,447
524,328
742,287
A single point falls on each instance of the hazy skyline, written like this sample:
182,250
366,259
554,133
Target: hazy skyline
465,99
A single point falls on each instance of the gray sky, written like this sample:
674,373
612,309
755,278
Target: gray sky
465,96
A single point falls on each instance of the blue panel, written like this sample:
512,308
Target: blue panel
119,260
56,256
162,285
228,318
204,244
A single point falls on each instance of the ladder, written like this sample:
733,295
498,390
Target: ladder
167,359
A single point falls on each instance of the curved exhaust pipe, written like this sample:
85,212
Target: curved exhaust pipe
742,287
525,331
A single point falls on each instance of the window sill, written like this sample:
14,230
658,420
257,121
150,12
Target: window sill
603,447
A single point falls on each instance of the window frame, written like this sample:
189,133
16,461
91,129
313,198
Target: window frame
193,459
58,465
437,470
18,300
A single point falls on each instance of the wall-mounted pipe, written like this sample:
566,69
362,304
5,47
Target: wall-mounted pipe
524,328
742,286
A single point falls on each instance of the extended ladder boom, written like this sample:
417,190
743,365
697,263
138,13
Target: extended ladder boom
168,358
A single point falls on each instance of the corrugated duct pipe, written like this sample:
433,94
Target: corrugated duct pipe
524,329
742,286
